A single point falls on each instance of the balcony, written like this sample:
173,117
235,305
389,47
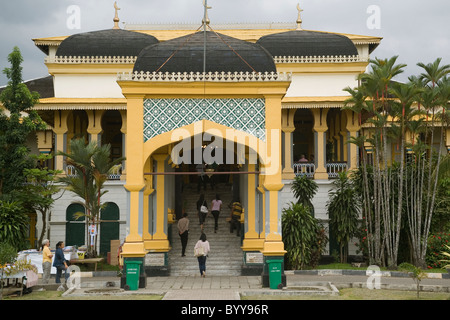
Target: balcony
308,169
334,168
304,169
114,175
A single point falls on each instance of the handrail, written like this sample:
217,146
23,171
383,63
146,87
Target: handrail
304,168
115,174
334,168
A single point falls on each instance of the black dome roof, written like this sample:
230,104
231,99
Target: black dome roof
112,42
188,52
307,43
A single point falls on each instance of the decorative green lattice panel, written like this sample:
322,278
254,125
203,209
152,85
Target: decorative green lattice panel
163,115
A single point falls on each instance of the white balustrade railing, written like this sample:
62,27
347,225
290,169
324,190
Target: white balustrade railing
334,168
320,59
115,173
91,60
304,168
308,169
70,171
207,76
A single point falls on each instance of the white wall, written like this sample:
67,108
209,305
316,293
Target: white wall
87,86
322,84
116,193
319,201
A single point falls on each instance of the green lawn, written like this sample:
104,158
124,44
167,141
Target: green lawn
348,266
361,294
57,295
344,294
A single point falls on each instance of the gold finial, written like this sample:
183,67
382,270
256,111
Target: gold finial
116,18
299,18
206,18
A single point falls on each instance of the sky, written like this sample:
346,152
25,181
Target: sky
416,31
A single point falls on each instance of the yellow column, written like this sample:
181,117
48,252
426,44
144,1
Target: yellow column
320,127
160,240
95,124
337,136
251,239
288,128
44,141
134,245
344,135
123,113
148,191
60,129
344,145
353,128
273,245
261,190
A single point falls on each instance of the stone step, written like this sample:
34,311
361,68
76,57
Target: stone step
226,256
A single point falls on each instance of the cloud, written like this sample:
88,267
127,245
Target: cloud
415,30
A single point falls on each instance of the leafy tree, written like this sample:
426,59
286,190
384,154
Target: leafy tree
38,191
343,210
373,98
416,273
405,115
16,123
92,165
425,165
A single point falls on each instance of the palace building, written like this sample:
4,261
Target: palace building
246,101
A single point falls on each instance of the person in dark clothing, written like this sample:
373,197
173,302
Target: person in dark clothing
216,206
183,231
201,177
60,262
201,204
235,222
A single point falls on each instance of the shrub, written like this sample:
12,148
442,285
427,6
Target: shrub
343,210
303,237
436,245
304,190
13,224
362,244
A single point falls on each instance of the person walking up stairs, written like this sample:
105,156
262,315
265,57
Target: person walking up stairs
226,256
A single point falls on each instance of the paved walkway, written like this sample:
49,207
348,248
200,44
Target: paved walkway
230,287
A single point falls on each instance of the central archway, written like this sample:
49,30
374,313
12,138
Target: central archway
168,151
149,144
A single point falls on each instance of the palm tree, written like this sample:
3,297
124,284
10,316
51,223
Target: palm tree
402,113
92,165
374,98
434,72
435,101
304,190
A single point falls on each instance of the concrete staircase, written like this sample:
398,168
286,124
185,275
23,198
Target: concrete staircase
226,256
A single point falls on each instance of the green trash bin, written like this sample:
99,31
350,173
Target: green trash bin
132,274
275,273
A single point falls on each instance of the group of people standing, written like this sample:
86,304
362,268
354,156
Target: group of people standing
203,210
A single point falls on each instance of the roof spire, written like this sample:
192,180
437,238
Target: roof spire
299,18
206,20
116,17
